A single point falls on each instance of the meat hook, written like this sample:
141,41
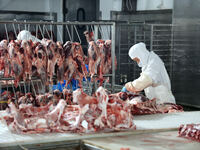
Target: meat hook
6,32
41,31
45,29
70,37
77,34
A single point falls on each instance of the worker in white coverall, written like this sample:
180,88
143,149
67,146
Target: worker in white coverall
154,79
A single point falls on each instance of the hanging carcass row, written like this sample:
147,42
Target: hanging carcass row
99,57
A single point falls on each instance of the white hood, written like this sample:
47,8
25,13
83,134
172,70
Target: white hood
139,50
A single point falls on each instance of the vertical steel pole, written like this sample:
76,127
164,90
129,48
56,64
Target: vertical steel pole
119,36
113,56
172,52
151,39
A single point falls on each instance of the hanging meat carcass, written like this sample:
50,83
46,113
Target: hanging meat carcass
41,63
93,58
27,47
78,56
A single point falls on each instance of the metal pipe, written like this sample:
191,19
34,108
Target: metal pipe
77,34
11,78
113,56
151,38
68,33
59,23
6,32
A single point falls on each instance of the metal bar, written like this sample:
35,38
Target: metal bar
6,32
36,31
51,29
41,31
113,56
77,34
60,23
70,37
151,39
172,53
11,78
33,88
14,31
14,90
119,33
72,33
47,32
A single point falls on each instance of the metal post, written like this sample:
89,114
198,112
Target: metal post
151,38
172,52
113,56
135,34
119,36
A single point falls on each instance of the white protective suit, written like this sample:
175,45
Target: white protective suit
154,79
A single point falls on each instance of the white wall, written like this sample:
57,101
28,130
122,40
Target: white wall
33,6
25,5
109,5
154,4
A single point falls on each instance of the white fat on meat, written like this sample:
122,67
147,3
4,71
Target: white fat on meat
36,122
18,119
135,100
55,114
102,98
76,95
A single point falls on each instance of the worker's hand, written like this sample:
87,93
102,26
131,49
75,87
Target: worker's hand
130,87
123,89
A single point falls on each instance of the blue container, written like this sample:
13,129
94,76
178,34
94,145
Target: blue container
74,83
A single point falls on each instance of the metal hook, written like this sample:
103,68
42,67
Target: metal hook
36,31
60,34
92,29
14,91
47,31
33,87
77,34
25,24
28,27
101,32
41,31
19,27
14,30
6,32
69,33
51,28
24,87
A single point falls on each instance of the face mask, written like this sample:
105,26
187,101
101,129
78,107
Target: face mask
140,64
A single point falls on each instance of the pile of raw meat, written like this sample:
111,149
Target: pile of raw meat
140,105
23,59
190,131
79,112
87,114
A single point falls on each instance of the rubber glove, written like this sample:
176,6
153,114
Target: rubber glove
124,89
